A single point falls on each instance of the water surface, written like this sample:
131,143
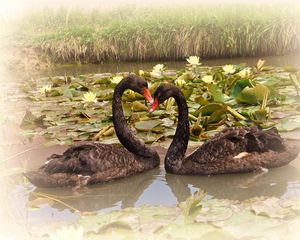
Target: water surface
293,60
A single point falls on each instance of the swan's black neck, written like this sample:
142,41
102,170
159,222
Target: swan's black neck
123,132
177,149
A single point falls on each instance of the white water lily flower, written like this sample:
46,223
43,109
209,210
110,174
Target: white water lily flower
46,89
89,97
228,69
158,68
116,79
246,72
67,233
157,71
193,60
141,73
157,75
260,63
180,82
207,79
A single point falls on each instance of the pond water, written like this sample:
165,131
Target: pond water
154,187
293,60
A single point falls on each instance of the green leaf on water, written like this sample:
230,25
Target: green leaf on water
147,125
217,115
289,124
187,92
31,122
137,106
53,93
217,93
209,109
215,210
253,95
240,85
271,208
192,206
259,116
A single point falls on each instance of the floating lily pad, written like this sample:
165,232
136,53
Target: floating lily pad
271,208
253,95
147,125
289,124
240,85
31,122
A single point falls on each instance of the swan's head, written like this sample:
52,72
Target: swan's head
139,85
162,93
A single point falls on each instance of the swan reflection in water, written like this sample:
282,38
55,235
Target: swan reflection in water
170,189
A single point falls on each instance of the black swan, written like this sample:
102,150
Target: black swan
86,163
233,150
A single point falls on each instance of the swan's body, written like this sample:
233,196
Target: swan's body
237,149
90,162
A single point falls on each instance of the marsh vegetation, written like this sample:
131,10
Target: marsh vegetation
230,95
160,33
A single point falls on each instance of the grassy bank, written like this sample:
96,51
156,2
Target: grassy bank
131,33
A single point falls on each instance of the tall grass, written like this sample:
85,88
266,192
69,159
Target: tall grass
132,33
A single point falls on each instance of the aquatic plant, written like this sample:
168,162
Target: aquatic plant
197,217
157,71
89,97
45,89
116,79
180,82
229,69
193,61
207,79
245,73
267,97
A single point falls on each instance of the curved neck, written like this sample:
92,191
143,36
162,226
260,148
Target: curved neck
123,132
177,149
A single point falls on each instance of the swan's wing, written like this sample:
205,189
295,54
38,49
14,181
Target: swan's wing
229,142
233,141
88,163
88,158
249,151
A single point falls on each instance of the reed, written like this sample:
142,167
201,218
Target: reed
137,34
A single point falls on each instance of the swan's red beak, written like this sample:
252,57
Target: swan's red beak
154,105
147,95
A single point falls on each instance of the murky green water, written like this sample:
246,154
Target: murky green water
154,187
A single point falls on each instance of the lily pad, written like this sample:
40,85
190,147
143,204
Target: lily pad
240,85
31,122
289,124
147,125
209,109
270,208
253,95
217,94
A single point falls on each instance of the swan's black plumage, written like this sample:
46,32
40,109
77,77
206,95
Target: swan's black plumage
87,163
237,149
